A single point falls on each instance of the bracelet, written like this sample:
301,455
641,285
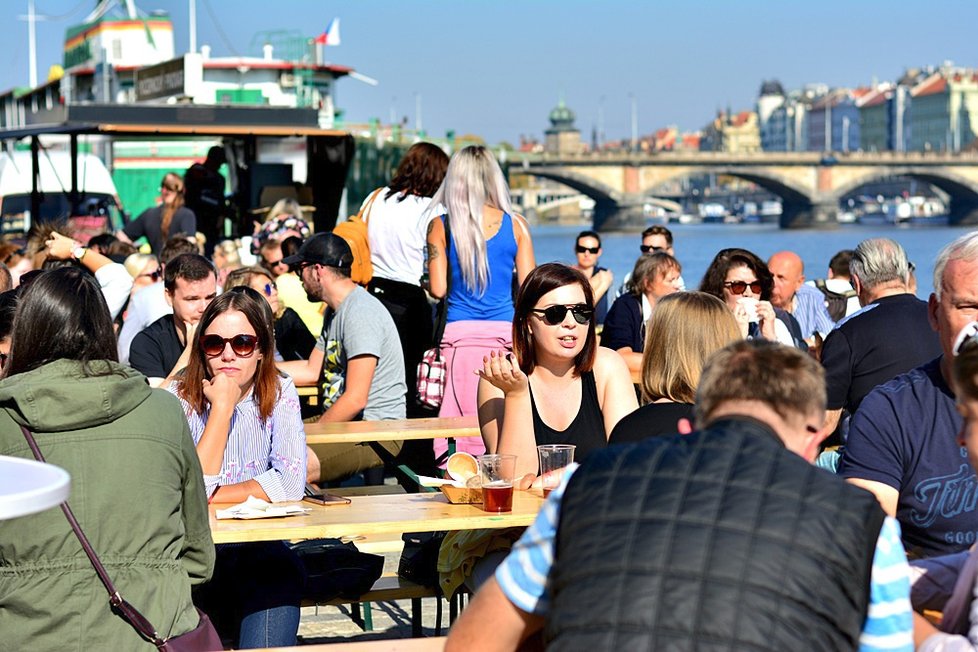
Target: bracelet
210,498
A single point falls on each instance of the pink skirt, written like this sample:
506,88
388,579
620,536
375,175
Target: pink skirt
463,346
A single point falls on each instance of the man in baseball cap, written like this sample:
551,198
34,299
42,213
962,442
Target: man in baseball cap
357,363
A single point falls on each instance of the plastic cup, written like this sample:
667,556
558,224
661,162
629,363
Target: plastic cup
497,473
553,458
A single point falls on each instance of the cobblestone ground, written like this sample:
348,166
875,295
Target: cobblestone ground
390,619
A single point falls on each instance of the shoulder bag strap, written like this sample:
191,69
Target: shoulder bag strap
128,612
364,213
442,311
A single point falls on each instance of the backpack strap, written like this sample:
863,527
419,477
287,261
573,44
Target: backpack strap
364,213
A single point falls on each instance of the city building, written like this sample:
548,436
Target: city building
787,125
562,137
734,134
833,121
771,98
944,116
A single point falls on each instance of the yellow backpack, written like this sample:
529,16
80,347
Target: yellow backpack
354,231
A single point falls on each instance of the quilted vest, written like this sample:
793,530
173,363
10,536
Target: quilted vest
719,540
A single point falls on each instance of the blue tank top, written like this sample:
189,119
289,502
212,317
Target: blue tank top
496,303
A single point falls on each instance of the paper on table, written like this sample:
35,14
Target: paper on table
428,481
258,508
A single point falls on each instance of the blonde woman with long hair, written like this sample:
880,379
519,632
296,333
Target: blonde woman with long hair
686,328
165,220
473,270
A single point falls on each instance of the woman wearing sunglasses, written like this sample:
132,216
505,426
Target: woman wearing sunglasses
293,341
557,387
655,276
742,281
244,419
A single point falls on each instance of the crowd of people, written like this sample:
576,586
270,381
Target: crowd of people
761,461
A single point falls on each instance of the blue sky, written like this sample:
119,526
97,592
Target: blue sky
496,68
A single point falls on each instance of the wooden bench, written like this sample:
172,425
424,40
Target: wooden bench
388,589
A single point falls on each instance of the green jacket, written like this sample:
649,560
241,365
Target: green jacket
137,492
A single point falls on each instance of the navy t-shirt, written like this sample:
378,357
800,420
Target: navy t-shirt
623,324
904,434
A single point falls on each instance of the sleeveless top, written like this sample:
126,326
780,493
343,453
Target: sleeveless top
496,303
689,541
586,431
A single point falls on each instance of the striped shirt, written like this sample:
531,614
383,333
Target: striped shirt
272,452
524,577
810,311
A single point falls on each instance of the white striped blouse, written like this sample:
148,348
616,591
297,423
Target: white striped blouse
271,452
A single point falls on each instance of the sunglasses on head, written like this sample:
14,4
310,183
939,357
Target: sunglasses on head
242,345
554,315
647,248
591,250
739,287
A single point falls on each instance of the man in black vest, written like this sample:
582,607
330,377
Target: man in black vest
726,538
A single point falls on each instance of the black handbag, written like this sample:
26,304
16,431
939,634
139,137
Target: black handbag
419,559
202,638
334,569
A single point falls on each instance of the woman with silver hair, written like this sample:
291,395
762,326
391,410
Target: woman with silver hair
473,270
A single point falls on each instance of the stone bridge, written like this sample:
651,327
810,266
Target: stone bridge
810,184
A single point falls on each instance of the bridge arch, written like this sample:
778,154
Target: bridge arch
963,192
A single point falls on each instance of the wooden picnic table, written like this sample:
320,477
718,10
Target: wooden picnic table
355,432
391,514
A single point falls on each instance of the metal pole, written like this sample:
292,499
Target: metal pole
193,25
634,122
73,197
35,177
32,42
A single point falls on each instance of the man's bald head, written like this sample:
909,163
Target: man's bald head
789,275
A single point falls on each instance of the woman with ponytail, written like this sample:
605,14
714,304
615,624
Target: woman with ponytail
165,220
473,269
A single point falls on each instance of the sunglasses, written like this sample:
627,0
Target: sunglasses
739,287
591,250
647,248
268,289
554,315
155,276
242,345
270,263
3,360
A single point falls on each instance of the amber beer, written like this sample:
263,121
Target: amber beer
498,497
497,473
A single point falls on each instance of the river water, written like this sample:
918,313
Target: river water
697,244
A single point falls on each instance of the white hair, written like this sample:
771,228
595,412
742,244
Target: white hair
473,180
965,247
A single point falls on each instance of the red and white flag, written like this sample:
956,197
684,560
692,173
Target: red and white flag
332,34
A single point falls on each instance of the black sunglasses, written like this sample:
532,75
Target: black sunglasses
154,276
242,345
270,263
591,250
647,248
554,315
739,287
3,360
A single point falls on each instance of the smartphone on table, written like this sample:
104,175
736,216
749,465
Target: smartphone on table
314,494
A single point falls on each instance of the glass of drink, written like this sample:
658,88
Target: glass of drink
553,458
497,473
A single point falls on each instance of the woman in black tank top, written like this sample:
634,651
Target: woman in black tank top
558,386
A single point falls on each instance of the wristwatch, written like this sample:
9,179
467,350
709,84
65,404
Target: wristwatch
79,252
